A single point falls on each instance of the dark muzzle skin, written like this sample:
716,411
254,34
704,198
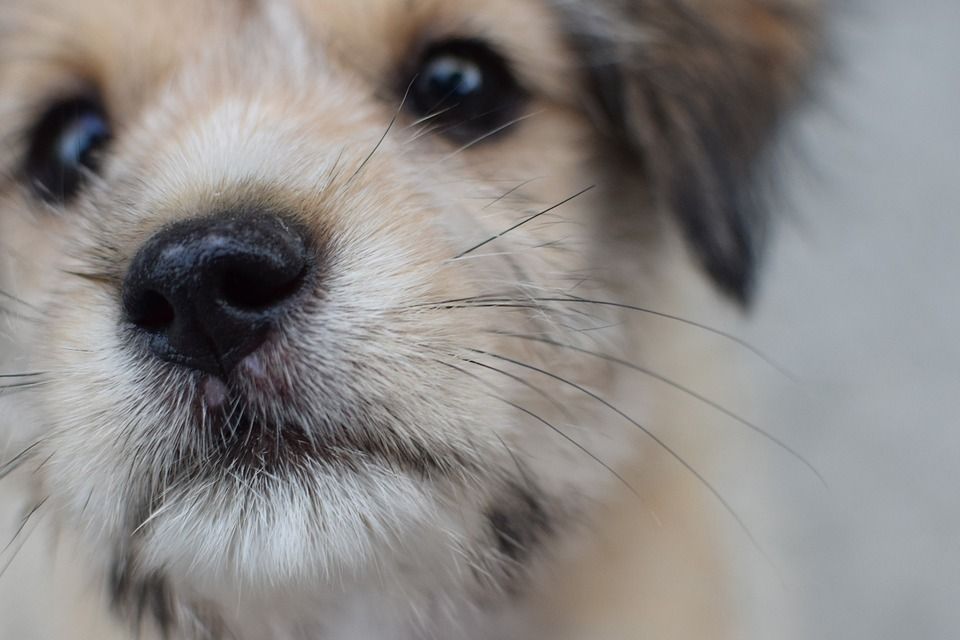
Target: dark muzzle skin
206,292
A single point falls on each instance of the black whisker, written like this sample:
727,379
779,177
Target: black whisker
497,301
501,305
680,387
542,420
526,383
86,503
692,323
509,193
14,463
9,376
652,436
16,535
525,221
46,460
10,389
576,444
23,523
380,142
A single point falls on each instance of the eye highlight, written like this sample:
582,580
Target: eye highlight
64,147
465,87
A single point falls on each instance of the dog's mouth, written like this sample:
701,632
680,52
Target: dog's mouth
235,434
259,421
238,435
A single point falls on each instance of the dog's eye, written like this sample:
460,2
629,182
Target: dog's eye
466,88
65,147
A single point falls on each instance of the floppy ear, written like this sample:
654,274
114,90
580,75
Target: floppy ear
693,90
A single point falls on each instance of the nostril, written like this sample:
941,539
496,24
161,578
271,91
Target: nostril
246,290
152,312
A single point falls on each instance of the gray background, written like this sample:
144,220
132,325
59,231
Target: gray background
861,301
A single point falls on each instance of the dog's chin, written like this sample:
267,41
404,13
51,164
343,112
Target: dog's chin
296,528
272,499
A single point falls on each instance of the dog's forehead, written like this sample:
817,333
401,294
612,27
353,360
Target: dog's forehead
125,45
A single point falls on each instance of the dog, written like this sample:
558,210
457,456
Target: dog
328,319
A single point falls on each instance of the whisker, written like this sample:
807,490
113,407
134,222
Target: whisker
380,142
510,193
442,128
14,463
692,323
96,278
652,436
508,302
428,117
526,383
336,169
427,130
16,314
683,388
488,134
575,443
525,221
510,452
46,461
23,523
9,376
543,421
17,387
156,513
23,542
499,305
9,296
86,503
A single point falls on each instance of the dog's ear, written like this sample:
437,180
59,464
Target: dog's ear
693,90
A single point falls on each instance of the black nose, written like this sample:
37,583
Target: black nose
206,292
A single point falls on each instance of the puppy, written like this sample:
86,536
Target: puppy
329,319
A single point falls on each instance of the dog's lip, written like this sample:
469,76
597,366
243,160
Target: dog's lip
242,439
256,419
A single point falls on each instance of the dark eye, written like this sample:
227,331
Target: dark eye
466,88
65,146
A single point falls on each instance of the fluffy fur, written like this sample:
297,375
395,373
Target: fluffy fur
430,439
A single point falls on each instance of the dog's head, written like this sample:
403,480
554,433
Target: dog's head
298,286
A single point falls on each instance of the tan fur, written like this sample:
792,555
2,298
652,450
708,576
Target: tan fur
226,104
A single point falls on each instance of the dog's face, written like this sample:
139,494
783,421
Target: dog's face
301,284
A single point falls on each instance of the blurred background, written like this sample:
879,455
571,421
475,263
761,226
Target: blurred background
862,304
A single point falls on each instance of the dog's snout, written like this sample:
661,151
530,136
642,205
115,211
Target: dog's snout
206,292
